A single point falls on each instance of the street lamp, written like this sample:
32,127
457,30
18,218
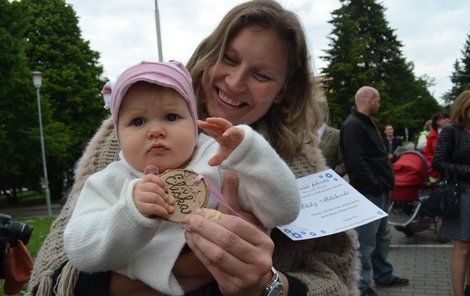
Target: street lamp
37,81
157,25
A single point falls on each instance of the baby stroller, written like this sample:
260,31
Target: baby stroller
406,212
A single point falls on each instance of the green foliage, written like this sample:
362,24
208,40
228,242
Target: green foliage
365,51
18,116
71,83
71,67
43,35
461,76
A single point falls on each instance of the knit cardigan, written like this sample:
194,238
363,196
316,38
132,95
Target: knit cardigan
327,265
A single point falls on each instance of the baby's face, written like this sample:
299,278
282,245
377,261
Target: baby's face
155,127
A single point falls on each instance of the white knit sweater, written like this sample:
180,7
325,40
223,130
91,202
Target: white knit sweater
106,231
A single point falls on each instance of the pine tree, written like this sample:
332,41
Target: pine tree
71,83
365,51
461,76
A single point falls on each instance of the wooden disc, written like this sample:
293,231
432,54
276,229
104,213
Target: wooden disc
189,196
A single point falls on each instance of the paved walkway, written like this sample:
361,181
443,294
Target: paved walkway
424,261
421,258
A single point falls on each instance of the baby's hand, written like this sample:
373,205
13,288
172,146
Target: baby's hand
150,197
228,136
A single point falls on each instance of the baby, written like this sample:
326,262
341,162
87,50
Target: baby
120,220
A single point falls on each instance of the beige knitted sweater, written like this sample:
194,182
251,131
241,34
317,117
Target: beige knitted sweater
327,265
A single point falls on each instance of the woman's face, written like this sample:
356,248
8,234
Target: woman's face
441,122
249,78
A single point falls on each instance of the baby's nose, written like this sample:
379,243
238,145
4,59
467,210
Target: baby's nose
156,130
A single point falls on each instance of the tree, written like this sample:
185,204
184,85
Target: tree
16,107
20,157
461,76
365,51
71,83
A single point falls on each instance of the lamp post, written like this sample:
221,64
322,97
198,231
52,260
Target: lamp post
159,40
37,81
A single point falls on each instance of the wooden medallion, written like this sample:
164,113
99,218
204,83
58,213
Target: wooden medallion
189,195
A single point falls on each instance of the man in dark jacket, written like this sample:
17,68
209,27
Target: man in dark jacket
370,172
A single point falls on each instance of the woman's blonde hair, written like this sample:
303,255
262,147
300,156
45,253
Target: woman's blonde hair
291,123
458,114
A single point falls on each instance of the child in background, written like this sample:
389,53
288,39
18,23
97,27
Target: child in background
423,135
119,222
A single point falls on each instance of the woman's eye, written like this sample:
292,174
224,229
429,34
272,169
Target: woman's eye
137,121
261,77
229,60
172,117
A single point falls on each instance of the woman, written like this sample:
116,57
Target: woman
252,69
438,121
452,156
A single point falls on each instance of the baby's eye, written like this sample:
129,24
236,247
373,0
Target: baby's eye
171,117
137,121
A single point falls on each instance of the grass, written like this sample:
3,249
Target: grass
41,226
25,199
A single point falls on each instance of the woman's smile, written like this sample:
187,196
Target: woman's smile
229,101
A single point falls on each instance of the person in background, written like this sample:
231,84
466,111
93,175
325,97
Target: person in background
438,121
390,142
423,135
329,142
370,172
253,69
452,157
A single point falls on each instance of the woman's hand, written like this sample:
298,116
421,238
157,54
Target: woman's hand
236,253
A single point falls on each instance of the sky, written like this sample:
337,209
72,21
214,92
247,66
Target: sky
432,32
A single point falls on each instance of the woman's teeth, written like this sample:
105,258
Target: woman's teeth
229,101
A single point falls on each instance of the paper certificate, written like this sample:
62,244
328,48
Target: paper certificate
328,205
